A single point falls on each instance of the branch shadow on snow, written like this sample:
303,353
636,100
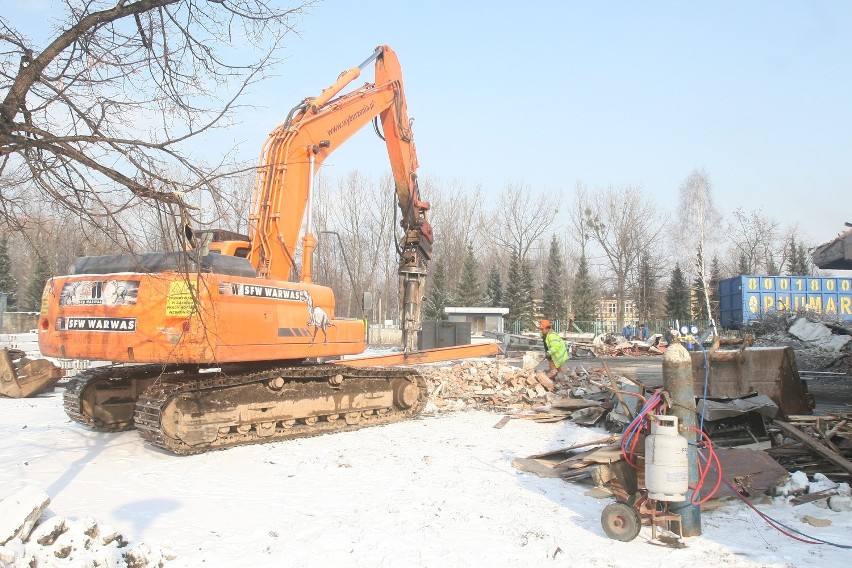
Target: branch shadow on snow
141,514
579,509
96,443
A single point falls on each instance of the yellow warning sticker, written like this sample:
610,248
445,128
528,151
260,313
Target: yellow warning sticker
180,300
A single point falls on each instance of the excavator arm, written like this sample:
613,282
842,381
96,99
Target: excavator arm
297,148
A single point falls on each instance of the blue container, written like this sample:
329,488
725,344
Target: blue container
746,298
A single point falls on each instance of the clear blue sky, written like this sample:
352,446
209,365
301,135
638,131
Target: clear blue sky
758,93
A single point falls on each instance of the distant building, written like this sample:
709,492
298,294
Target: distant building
481,319
607,315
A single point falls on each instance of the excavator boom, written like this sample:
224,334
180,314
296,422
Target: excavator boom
296,149
221,346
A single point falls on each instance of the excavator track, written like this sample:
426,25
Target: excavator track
205,411
104,398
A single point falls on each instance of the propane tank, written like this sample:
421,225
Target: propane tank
666,461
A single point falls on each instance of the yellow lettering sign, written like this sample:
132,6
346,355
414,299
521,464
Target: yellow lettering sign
846,306
830,306
815,304
753,304
180,301
752,283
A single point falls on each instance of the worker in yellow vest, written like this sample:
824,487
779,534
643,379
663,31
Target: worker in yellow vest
554,346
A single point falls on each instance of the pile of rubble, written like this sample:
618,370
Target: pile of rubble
585,397
30,536
486,385
819,345
611,345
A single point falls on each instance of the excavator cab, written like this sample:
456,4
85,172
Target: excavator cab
219,241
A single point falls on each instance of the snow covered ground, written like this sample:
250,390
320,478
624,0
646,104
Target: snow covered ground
436,491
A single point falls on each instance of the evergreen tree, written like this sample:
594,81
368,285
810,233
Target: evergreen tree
438,298
518,296
7,281
699,304
585,299
469,289
646,289
771,267
743,266
553,293
494,288
715,278
804,265
793,258
798,263
677,296
36,288
528,311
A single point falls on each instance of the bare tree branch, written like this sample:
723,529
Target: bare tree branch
98,119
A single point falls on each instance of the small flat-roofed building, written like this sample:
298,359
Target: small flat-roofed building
480,318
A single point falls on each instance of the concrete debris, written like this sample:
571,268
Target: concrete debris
819,345
20,511
489,385
819,335
809,330
797,489
29,539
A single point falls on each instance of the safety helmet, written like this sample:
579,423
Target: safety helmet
544,324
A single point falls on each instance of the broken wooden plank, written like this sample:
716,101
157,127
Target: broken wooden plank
814,445
601,441
606,454
544,380
811,497
573,403
617,392
541,468
503,421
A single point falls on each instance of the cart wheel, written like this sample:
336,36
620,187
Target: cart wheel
621,522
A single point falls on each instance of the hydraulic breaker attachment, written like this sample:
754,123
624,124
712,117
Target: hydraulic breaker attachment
21,377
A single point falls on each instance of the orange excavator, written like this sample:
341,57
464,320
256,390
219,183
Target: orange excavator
215,347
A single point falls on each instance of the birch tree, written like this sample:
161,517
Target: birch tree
700,220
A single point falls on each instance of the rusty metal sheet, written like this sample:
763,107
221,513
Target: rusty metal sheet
751,471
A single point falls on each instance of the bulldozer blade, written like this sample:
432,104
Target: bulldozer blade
21,377
771,371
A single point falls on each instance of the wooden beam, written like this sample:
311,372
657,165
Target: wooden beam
814,445
424,356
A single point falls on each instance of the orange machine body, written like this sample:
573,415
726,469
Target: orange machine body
200,316
204,319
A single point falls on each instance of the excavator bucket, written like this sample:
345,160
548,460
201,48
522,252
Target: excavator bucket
771,371
21,377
